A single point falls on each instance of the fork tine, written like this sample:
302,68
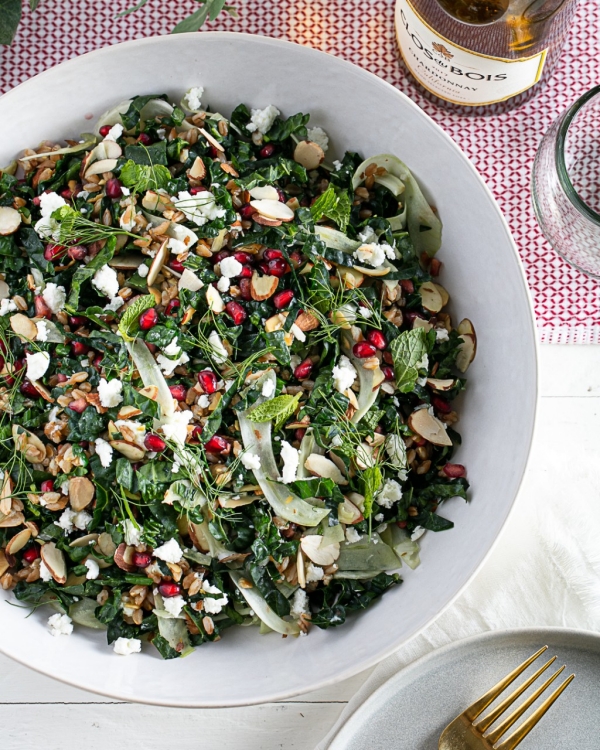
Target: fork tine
495,735
488,720
517,736
480,705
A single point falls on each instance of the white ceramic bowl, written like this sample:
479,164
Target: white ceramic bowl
481,271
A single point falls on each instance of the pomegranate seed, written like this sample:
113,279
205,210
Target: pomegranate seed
144,139
216,444
247,211
41,308
388,372
77,320
237,312
295,258
61,378
53,252
376,338
303,370
267,151
441,405
221,255
113,189
67,194
401,524
242,258
148,319
169,589
387,358
152,347
77,348
47,485
282,299
77,252
213,152
18,365
208,381
411,315
28,389
272,254
37,201
264,267
31,554
196,433
363,350
277,267
245,289
141,559
154,443
246,272
282,196
435,267
172,306
98,361
79,405
2,362
179,392
105,130
454,471
299,433
407,286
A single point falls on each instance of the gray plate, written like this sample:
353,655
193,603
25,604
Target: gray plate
410,711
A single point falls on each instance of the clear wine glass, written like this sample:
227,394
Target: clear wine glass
566,184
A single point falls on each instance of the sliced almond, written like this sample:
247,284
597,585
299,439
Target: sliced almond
129,450
150,391
275,323
364,456
443,293
107,150
18,541
54,560
15,518
466,352
157,263
43,391
4,564
81,492
465,326
29,444
127,412
441,385
348,513
124,558
320,554
263,287
378,377
197,170
24,327
10,220
307,322
273,209
156,201
113,430
264,192
266,222
428,427
422,323
371,271
351,277
106,545
300,571
320,466
100,167
214,299
83,541
211,140
55,501
309,154
431,299
5,290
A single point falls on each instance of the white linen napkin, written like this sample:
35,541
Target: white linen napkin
544,570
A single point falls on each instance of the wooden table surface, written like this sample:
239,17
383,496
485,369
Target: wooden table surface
37,713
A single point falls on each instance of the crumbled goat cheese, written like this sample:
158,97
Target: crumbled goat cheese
131,533
37,364
93,569
83,194
213,606
352,535
81,520
418,532
176,246
64,487
114,133
143,270
344,374
223,284
175,427
175,466
60,624
173,350
314,573
230,267
115,304
45,573
55,297
319,136
65,522
263,119
220,354
42,330
203,401
441,334
295,360
192,98
169,552
199,208
47,226
136,428
126,646
250,461
161,133
290,458
106,282
6,306
389,494
374,254
104,451
337,165
299,603
268,388
174,605
189,281
298,333
110,392
423,363
366,312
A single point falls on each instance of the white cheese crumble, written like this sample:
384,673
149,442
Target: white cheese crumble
319,136
290,457
352,535
169,552
45,573
60,624
230,267
6,306
220,354
137,429
268,388
192,98
199,208
143,270
263,119
418,532
299,603
131,533
374,254
441,334
213,606
65,522
368,235
423,363
389,494
93,569
250,461
167,364
314,573
81,520
104,451
37,364
190,281
344,374
126,646
223,284
114,133
337,165
106,282
47,226
115,304
175,427
42,330
174,604
203,401
110,392
55,297
176,246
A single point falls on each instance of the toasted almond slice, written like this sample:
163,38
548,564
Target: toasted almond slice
264,192
18,541
266,222
431,299
378,378
211,140
158,262
5,290
370,271
4,564
187,316
214,299
422,323
466,352
465,326
129,450
428,427
106,544
352,277
150,391
156,201
100,167
313,548
81,492
127,412
275,323
348,513
309,154
197,170
24,327
83,541
263,287
307,322
443,293
43,391
441,385
320,466
10,220
124,558
107,150
300,569
113,430
364,456
273,209
15,518
54,560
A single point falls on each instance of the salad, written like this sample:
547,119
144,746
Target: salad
227,376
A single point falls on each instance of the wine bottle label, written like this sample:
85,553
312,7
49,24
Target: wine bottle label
456,74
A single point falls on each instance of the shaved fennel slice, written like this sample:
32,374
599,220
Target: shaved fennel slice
337,240
83,611
369,380
173,629
151,375
307,447
262,609
202,533
370,555
256,437
88,140
112,116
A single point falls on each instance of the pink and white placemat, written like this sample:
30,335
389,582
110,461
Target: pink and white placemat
567,303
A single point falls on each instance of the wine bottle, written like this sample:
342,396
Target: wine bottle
480,56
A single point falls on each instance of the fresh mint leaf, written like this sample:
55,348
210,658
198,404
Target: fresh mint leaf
408,350
141,177
129,323
275,410
334,207
324,203
10,16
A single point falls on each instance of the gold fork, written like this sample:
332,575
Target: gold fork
465,733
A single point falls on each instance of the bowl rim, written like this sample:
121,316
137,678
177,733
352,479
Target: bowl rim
369,660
